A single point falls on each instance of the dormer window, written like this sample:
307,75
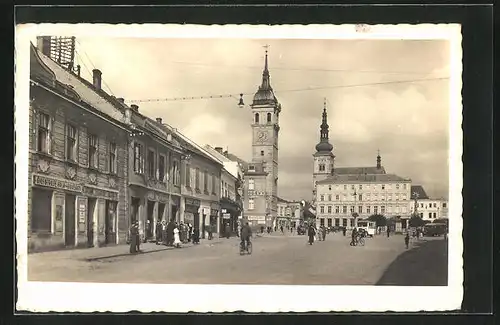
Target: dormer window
251,168
269,117
256,118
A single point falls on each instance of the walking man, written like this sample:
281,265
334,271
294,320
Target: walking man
407,239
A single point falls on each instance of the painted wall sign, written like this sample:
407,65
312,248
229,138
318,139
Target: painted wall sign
226,216
194,202
56,183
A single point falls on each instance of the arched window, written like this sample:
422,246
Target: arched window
268,117
256,117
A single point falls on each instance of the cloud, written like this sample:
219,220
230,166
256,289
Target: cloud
407,121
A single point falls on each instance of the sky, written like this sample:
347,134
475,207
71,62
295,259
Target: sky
368,107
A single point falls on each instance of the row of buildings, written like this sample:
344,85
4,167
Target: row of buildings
97,164
342,195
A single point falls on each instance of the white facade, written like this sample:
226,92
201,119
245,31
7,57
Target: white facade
431,209
336,202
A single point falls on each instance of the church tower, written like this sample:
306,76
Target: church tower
265,130
323,158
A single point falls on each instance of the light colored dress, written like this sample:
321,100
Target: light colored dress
177,239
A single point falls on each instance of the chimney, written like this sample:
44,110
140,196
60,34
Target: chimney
219,150
158,120
121,100
225,153
134,107
43,44
96,78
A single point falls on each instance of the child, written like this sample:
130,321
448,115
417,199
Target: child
407,239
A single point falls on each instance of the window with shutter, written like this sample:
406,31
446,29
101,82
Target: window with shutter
93,152
71,143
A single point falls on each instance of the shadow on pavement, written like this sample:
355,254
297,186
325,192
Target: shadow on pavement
142,252
426,264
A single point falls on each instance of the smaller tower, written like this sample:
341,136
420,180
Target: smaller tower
379,160
323,158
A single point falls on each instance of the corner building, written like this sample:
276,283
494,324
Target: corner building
264,165
77,160
344,194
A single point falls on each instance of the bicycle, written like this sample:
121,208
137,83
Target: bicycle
247,249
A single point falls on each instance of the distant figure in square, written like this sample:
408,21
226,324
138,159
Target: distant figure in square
282,230
196,235
135,241
311,233
407,239
262,229
388,231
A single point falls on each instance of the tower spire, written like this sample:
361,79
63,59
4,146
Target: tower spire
324,145
379,159
266,83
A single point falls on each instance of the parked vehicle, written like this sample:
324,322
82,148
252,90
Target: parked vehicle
369,226
435,229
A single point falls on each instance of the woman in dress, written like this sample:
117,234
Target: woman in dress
177,240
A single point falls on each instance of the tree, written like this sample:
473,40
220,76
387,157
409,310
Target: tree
416,221
379,220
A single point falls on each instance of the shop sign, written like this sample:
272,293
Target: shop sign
193,202
92,191
214,206
60,184
226,216
224,210
258,218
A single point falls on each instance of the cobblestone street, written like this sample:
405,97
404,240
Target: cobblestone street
276,259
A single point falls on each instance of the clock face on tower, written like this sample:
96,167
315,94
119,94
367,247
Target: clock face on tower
262,136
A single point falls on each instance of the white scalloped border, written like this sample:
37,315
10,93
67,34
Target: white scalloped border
85,297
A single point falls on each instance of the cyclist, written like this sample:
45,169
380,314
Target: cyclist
354,236
246,233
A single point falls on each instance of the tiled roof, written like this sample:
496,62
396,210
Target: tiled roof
362,178
419,190
86,93
233,157
358,170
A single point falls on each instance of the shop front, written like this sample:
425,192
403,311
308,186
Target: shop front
214,216
230,211
69,214
192,212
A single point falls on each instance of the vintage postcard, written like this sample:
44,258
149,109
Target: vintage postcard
286,168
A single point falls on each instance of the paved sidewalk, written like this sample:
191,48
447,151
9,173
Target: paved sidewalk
97,253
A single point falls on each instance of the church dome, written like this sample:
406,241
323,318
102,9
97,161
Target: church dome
264,96
324,147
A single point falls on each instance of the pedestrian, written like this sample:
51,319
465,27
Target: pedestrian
170,233
164,232
354,236
324,233
134,231
190,232
177,240
228,230
388,231
311,233
238,231
196,235
210,232
262,229
407,240
158,232
281,228
344,230
418,233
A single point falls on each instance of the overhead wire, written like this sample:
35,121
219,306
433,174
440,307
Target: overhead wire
307,69
235,96
93,66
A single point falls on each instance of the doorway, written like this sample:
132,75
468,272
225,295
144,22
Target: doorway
134,213
69,221
150,220
174,212
161,211
109,223
90,221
